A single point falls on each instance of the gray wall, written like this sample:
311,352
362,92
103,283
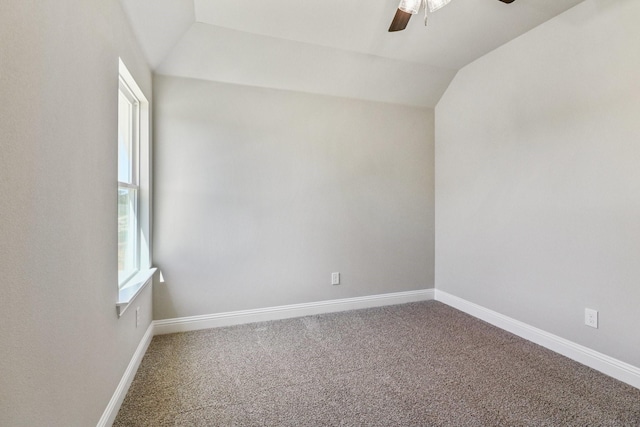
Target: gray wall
262,193
538,178
62,348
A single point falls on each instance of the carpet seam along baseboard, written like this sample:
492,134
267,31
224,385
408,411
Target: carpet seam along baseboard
610,366
111,411
415,364
192,323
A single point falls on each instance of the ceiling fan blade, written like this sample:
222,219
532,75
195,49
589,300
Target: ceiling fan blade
507,1
400,21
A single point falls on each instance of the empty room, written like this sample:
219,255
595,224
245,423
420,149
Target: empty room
356,213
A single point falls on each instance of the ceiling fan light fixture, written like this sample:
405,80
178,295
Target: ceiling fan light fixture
436,4
410,6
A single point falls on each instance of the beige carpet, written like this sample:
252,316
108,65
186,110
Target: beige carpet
420,364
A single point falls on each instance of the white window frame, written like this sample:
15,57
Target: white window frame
140,181
133,183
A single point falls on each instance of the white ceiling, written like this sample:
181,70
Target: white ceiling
332,47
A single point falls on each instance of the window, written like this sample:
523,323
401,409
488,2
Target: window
128,188
134,257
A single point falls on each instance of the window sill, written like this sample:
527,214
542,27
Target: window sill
127,294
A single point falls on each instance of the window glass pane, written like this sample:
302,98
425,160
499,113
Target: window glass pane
125,139
127,234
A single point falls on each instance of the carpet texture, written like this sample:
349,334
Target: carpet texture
419,364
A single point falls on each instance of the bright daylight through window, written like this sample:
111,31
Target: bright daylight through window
134,258
128,189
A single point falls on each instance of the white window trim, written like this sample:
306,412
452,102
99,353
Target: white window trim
134,286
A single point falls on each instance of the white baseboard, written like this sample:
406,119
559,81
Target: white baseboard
608,365
615,368
110,413
159,327
193,323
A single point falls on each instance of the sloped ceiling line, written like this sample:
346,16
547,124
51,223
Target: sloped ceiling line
330,47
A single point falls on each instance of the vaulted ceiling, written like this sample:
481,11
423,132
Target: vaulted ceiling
331,47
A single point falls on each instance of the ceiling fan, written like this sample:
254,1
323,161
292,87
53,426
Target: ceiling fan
406,8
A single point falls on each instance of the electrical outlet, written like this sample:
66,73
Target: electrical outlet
335,278
137,316
591,317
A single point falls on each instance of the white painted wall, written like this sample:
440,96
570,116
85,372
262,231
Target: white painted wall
262,193
62,348
538,178
221,54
